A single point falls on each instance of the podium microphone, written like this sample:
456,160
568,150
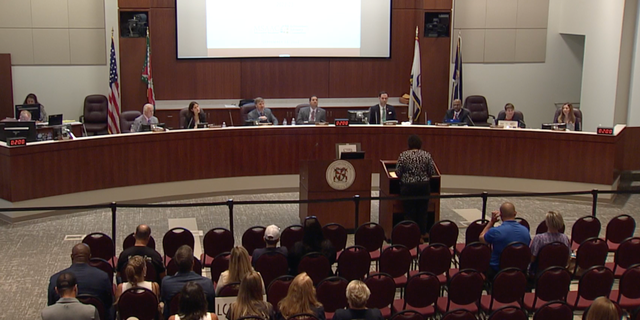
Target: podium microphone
230,118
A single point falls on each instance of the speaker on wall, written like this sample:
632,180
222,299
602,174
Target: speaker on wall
437,24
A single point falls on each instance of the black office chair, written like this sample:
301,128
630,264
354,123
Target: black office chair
477,106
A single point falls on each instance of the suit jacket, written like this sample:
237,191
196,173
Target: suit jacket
171,285
303,115
70,308
516,117
91,281
139,121
254,115
374,114
464,116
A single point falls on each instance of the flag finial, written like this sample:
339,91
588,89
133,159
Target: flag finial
416,32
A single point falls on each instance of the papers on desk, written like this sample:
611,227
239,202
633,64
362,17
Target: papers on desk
393,174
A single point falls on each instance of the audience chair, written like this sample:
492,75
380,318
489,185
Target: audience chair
595,282
126,120
436,259
477,106
583,229
371,236
174,304
396,261
253,238
215,242
103,265
94,301
172,267
472,234
290,235
550,255
523,222
542,228
316,265
476,256
174,239
508,289
130,241
445,232
517,255
407,315
459,314
303,316
94,118
619,228
627,254
592,252
138,302
354,263
465,290
407,233
556,310
331,293
337,234
509,313
420,294
277,290
271,265
383,292
552,284
219,265
628,293
102,246
229,290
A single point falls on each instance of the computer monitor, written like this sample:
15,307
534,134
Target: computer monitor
352,155
203,125
55,120
14,129
358,116
554,126
33,108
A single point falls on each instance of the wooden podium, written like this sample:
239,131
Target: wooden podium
314,185
391,211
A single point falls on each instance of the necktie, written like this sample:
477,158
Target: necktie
313,116
455,116
384,114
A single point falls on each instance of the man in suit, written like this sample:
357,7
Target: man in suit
382,112
146,118
261,113
68,307
312,114
458,114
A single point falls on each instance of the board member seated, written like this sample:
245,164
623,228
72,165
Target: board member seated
458,114
568,116
313,113
191,120
510,114
261,113
25,115
382,112
32,99
146,118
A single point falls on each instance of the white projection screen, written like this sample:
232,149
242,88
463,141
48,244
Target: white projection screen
283,28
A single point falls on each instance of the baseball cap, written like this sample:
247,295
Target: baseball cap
272,232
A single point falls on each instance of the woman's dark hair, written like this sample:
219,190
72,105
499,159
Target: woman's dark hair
193,303
313,236
32,96
414,142
193,103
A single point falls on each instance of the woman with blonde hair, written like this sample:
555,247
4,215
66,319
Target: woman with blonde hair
554,223
239,267
301,298
357,296
135,271
602,309
249,301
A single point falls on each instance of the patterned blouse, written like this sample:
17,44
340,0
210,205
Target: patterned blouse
415,166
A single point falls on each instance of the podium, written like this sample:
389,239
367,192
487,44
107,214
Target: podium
319,180
391,211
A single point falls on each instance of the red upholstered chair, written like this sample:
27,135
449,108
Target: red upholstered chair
436,259
420,294
459,314
628,293
407,233
509,313
103,265
552,284
174,239
407,315
396,261
331,293
542,228
383,291
465,290
556,310
595,282
277,289
138,302
583,229
592,252
354,263
508,289
271,265
102,247
229,290
94,117
126,120
253,238
219,265
619,228
316,265
371,236
215,242
445,232
476,256
337,234
515,255
477,106
290,235
172,267
627,254
523,222
472,234
303,316
174,304
550,255
94,301
129,241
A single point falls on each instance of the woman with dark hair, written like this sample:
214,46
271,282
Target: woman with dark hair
193,304
415,168
567,116
249,301
312,241
194,117
32,99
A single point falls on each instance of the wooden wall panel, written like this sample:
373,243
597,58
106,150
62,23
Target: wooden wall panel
132,90
134,4
438,4
285,78
163,3
6,83
406,4
435,76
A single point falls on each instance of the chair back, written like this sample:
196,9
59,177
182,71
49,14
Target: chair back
542,228
406,233
516,255
459,314
629,281
245,109
556,310
395,260
465,287
290,235
474,230
435,258
337,234
516,114
219,265
523,222
370,235
476,255
252,318
422,290
445,232
103,265
300,106
407,315
303,316
585,228
94,301
316,265
138,302
477,106
95,109
553,254
174,304
277,289
576,113
217,241
130,241
229,290
127,118
509,313
628,253
101,246
331,293
620,228
271,264
354,263
253,238
592,252
595,282
552,284
174,239
383,290
509,285
172,267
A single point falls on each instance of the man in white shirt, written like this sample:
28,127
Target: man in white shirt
382,112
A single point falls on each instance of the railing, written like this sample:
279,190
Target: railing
356,199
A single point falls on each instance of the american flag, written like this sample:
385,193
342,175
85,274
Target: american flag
114,93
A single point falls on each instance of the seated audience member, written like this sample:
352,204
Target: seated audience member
171,285
457,113
146,118
312,241
554,223
510,114
301,298
135,270
193,304
68,307
250,301
271,238
602,309
357,296
239,267
194,116
382,112
567,116
142,236
509,231
90,280
261,113
25,115
32,99
312,114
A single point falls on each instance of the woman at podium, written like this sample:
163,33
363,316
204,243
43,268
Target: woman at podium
415,168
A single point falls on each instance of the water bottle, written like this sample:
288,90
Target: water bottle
224,124
284,122
293,121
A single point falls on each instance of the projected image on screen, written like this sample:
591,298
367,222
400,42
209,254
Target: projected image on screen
283,28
